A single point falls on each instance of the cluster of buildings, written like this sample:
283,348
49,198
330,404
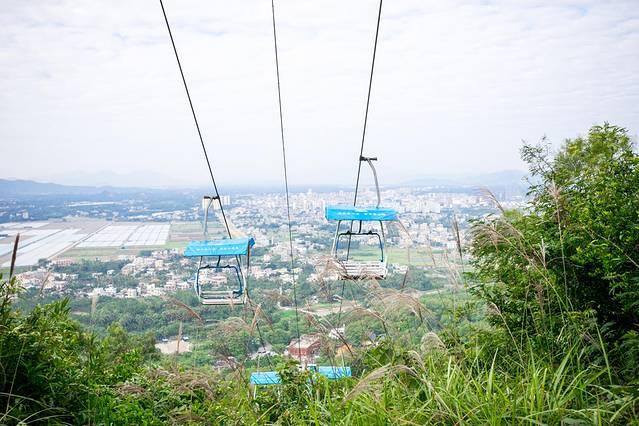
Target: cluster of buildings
143,289
44,279
427,218
145,265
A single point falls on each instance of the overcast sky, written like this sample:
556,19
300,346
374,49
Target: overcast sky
91,88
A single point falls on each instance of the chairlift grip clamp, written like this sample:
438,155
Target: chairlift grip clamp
362,158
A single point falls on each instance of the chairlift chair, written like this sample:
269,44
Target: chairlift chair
352,269
266,378
215,255
331,372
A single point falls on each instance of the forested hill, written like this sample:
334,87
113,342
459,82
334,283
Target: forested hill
28,188
509,180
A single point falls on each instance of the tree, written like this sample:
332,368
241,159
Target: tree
51,366
574,249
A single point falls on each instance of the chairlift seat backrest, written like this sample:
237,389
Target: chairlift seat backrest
221,298
263,378
362,270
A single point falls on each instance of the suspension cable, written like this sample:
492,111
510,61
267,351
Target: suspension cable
288,204
361,150
206,157
368,100
197,126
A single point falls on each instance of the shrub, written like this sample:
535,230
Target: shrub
573,251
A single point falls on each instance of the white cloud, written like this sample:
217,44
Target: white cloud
88,86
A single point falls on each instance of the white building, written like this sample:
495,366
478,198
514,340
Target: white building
335,333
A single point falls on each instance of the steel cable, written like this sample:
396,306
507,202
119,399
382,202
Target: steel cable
206,157
288,204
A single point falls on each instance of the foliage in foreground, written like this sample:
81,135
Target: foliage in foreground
401,386
571,259
51,366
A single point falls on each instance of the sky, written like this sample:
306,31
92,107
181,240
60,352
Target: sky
90,92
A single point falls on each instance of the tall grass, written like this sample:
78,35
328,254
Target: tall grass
433,387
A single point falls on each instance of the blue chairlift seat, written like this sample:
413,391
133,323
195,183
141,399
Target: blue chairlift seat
220,249
360,213
264,378
351,269
334,373
215,248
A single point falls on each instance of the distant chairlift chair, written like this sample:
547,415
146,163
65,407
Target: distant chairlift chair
351,269
266,378
220,251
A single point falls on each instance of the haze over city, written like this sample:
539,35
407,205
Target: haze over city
91,92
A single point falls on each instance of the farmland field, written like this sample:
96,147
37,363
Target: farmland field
90,239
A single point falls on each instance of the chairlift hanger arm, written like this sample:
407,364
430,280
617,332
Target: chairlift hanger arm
209,200
370,160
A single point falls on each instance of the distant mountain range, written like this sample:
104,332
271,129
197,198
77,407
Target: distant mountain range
20,188
514,178
509,180
12,188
